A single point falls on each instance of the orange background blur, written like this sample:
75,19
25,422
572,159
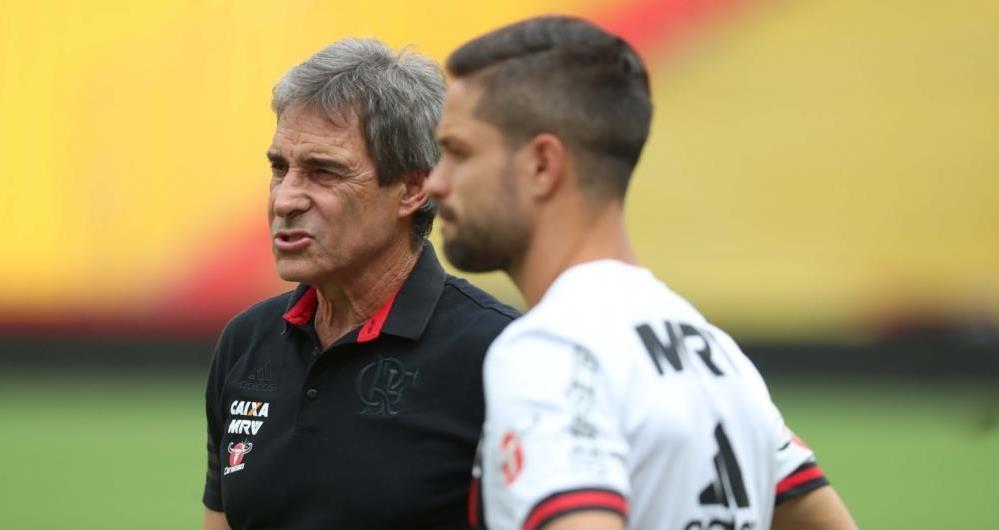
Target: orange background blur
814,169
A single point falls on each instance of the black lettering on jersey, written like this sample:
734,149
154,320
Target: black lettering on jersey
672,350
705,352
729,485
718,524
657,350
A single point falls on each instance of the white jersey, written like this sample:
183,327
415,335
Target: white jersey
614,393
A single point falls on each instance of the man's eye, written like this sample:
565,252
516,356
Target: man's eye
326,174
455,153
278,170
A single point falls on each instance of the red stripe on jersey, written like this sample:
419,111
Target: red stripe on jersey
473,504
571,501
796,479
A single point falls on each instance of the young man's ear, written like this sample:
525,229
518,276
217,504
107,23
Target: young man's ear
413,193
547,160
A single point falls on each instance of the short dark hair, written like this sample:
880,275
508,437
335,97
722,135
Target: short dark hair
568,77
398,97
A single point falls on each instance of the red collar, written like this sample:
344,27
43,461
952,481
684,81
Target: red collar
301,313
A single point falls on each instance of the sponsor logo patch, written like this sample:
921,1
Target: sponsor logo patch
247,409
252,409
237,452
511,457
251,427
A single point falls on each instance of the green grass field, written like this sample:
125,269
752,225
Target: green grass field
110,454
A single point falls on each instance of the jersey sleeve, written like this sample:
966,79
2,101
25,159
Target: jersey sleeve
795,468
552,441
797,471
212,496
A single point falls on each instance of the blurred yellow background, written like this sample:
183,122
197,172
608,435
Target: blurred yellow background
815,168
819,174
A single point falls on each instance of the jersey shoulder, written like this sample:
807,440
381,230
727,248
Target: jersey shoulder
473,316
595,302
461,292
265,316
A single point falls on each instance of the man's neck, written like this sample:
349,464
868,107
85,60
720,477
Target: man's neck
566,240
345,304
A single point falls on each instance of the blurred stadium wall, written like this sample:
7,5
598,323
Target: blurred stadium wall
822,177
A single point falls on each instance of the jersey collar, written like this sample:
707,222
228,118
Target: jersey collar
405,314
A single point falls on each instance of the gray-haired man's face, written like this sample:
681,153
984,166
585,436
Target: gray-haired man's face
327,212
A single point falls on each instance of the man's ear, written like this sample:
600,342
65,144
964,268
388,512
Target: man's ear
412,194
546,159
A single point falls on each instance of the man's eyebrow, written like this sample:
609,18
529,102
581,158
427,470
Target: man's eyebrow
326,163
448,142
312,161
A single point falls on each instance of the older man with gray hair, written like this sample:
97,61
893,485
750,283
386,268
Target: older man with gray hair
355,400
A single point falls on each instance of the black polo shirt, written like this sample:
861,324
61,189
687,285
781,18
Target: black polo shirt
379,431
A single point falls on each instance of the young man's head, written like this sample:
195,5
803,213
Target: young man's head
535,106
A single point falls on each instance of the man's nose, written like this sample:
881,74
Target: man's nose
289,197
436,183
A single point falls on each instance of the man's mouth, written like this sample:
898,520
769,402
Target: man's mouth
292,240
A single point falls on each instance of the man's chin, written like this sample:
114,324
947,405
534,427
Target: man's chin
468,259
296,272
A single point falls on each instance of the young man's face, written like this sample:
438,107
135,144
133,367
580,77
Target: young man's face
329,217
484,219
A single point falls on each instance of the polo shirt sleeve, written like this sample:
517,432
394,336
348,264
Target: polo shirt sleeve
796,469
212,497
552,441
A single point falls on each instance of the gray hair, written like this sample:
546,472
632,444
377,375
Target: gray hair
398,98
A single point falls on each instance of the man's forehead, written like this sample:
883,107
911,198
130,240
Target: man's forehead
303,125
311,117
463,97
460,103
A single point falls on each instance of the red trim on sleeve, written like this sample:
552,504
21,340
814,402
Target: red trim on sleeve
373,327
302,311
572,501
796,479
473,504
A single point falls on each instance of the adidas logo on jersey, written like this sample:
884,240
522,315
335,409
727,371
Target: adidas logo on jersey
729,486
728,489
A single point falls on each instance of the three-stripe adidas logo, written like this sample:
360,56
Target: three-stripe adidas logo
729,486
